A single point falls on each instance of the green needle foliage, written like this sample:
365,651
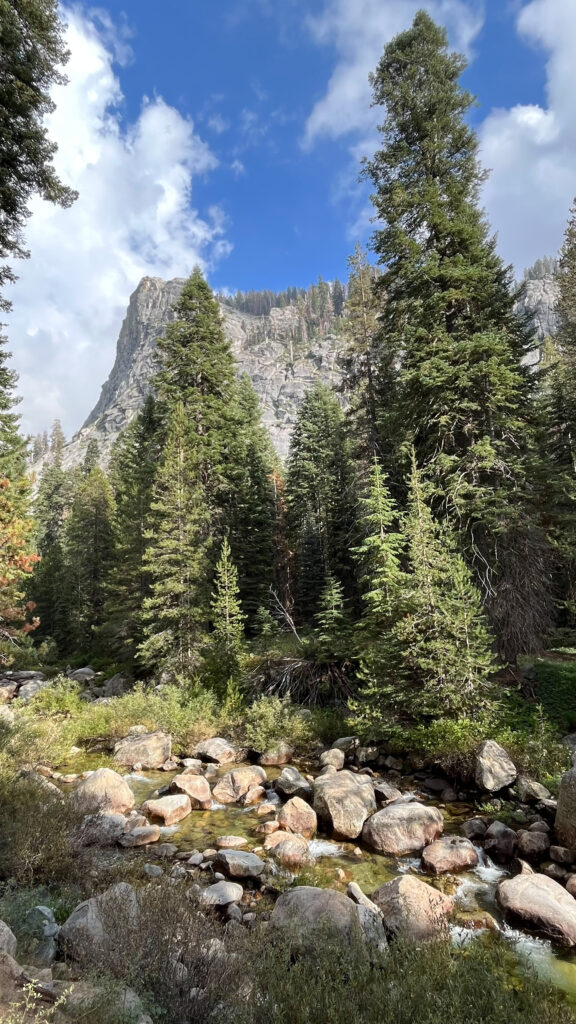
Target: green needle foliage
227,638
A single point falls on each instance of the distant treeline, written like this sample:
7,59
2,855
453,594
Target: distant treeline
320,299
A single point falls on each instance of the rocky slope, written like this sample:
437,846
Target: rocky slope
282,354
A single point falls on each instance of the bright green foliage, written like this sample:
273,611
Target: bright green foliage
227,638
32,47
461,394
177,557
332,633
319,497
133,470
443,640
12,444
89,554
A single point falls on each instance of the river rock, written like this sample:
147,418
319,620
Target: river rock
141,835
531,791
217,750
562,855
565,823
292,852
82,675
255,795
281,753
403,828
7,692
500,842
101,829
306,909
222,894
231,842
150,750
239,864
494,767
366,755
8,941
85,929
235,784
29,690
474,828
298,816
170,809
532,845
450,853
104,791
346,743
413,908
343,801
196,787
536,901
291,783
385,793
334,757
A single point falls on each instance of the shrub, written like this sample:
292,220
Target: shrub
270,719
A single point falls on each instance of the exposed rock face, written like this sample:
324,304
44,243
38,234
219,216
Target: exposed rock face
540,302
276,352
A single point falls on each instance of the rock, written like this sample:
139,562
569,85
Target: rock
412,908
500,842
238,864
267,828
82,675
292,852
556,872
562,855
222,894
346,743
494,767
571,885
532,845
150,750
403,828
85,930
385,793
450,853
291,783
153,870
474,828
192,765
538,902
255,795
29,690
196,787
102,829
266,808
170,809
7,692
236,783
7,715
565,823
115,686
306,908
281,753
355,893
334,757
166,850
366,755
231,842
217,750
40,922
8,941
539,826
104,791
298,816
449,795
142,835
343,801
530,791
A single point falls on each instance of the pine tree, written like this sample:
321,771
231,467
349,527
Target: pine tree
362,365
178,556
33,50
227,637
319,496
448,329
332,624
12,444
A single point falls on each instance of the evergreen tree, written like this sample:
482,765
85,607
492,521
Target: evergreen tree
362,364
227,638
33,50
12,444
449,332
319,496
178,555
332,625
88,557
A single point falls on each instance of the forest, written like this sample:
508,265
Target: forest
406,577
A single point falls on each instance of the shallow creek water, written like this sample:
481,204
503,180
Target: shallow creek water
336,865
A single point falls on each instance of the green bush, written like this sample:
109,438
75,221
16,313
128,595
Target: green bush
270,719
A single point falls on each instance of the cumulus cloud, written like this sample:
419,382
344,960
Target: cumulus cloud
134,217
531,149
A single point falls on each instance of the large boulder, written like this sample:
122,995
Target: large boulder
500,842
101,829
306,909
281,753
239,864
334,757
140,835
403,828
104,791
170,809
292,852
531,791
538,902
565,824
413,908
235,784
196,787
291,783
149,750
30,689
7,691
343,801
8,941
87,927
216,750
82,675
298,816
494,767
221,894
450,853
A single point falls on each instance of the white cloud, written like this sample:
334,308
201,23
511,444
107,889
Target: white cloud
237,168
133,217
531,150
358,31
218,123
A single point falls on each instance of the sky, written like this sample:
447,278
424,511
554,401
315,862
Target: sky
231,134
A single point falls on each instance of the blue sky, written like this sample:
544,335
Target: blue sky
231,133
